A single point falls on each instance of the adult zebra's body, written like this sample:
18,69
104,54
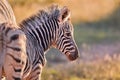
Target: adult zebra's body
47,29
12,44
6,13
12,51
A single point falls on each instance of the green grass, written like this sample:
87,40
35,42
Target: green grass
89,34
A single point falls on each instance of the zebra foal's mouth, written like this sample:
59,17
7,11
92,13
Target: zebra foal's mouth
72,56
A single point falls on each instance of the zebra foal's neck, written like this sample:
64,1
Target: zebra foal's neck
41,30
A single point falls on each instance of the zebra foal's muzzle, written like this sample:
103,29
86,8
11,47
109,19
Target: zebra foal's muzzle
73,55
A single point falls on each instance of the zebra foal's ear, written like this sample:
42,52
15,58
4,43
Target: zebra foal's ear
64,14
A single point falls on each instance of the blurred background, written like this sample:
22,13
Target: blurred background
97,34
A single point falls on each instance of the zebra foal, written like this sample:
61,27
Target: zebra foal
51,28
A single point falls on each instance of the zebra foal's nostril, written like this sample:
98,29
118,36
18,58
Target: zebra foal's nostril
73,56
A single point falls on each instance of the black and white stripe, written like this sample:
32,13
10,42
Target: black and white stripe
12,44
12,51
6,12
47,29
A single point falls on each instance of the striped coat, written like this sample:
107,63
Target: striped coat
46,29
12,44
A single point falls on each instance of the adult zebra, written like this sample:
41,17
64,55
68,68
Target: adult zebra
51,28
12,44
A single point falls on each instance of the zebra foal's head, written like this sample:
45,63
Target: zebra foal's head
64,37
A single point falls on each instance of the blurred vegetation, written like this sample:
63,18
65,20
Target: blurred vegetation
82,10
29,2
95,20
106,30
102,70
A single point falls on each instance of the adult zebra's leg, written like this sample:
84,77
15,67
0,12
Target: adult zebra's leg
2,50
15,58
35,73
2,56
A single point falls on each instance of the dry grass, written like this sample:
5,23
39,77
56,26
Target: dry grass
102,70
82,10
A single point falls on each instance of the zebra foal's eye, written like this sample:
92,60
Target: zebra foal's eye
68,34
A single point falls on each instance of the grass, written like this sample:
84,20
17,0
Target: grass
89,34
105,70
81,10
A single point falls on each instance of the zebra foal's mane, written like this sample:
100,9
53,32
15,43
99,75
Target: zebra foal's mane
44,15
